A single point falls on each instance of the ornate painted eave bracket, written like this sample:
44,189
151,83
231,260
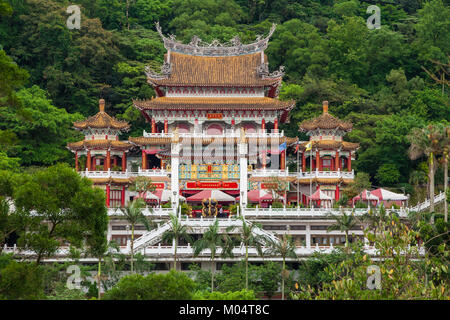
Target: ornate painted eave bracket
166,70
200,48
263,72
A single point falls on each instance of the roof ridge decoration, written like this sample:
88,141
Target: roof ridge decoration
198,47
101,120
325,121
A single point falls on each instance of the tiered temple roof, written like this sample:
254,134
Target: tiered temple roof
325,121
99,144
232,103
102,120
331,144
241,70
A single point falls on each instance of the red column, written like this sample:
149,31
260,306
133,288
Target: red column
94,167
336,196
318,160
349,162
283,160
88,160
122,200
166,126
303,162
108,160
144,160
275,125
124,162
153,126
263,124
107,195
115,161
76,160
337,162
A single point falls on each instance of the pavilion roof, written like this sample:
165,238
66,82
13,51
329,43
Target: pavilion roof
331,144
102,120
99,144
325,121
214,104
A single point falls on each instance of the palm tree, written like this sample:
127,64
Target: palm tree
445,146
286,249
374,217
344,223
176,232
426,142
212,240
134,215
248,238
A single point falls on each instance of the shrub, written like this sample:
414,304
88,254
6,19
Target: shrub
171,286
21,281
229,295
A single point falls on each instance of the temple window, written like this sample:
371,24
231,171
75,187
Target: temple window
214,129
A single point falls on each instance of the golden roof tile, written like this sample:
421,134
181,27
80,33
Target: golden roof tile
239,70
325,121
331,144
102,120
164,103
99,144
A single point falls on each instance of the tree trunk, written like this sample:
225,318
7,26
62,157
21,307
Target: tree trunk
445,187
128,6
282,279
246,267
431,176
175,255
132,248
212,275
98,278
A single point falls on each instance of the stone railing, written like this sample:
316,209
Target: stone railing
326,174
426,204
186,252
225,134
254,213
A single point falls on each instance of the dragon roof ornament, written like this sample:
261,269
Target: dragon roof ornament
198,47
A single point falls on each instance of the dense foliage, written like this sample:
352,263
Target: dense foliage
379,79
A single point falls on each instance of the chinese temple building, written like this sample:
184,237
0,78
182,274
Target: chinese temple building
214,132
104,156
216,109
326,158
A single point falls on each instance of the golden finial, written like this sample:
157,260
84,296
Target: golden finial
101,104
325,106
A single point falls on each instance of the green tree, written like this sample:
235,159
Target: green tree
21,281
211,239
426,142
134,215
248,238
344,223
285,248
171,286
388,174
56,204
176,232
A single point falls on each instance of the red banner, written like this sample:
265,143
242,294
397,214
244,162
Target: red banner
158,185
214,115
211,185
